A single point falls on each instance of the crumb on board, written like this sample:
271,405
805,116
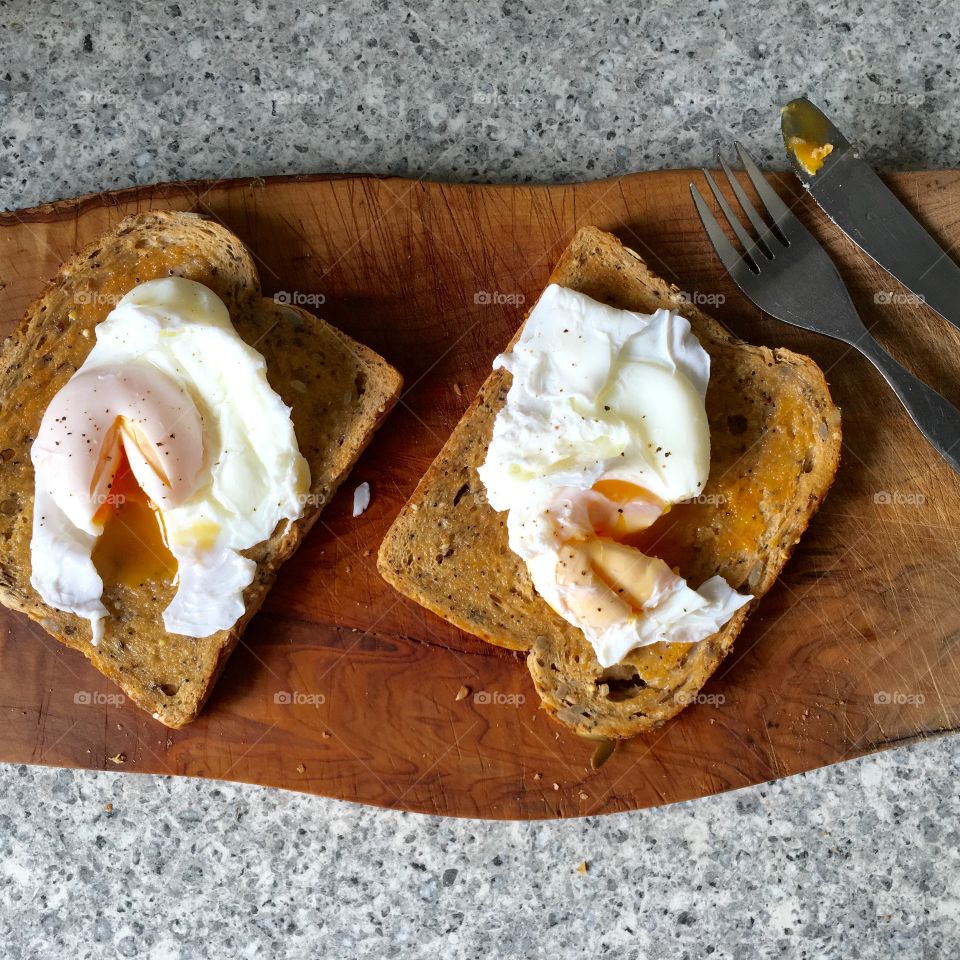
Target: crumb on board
301,768
118,758
462,693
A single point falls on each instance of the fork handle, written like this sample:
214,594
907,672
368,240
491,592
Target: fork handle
937,419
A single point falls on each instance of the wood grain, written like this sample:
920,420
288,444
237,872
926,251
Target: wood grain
345,689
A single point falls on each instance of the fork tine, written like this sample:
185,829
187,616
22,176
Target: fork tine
746,241
756,221
726,251
775,207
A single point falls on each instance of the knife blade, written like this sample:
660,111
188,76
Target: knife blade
864,208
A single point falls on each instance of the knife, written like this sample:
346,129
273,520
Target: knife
864,208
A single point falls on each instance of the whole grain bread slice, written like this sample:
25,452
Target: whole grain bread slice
775,439
338,389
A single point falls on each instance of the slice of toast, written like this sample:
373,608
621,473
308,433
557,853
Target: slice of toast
339,392
775,446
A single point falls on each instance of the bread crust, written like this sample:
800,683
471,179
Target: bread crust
775,438
339,392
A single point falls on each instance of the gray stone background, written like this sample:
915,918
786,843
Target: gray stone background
855,861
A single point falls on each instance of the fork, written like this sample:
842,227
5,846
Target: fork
787,274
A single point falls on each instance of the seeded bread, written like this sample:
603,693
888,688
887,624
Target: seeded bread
338,389
775,447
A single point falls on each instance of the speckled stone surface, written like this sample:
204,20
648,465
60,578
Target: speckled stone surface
857,861
112,94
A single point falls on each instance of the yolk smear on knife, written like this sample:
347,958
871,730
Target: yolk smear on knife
132,549
809,155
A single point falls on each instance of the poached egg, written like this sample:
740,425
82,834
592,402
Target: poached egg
603,430
163,457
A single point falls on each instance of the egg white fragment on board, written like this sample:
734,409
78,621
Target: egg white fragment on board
361,498
604,428
207,438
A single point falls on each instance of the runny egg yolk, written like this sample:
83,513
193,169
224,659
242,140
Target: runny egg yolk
132,548
611,579
621,508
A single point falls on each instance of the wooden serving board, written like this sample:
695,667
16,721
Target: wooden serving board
345,689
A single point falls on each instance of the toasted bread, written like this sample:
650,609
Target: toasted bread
775,439
338,389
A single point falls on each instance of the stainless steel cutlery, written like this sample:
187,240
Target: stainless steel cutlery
864,208
785,271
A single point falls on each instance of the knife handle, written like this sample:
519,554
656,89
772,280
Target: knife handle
937,419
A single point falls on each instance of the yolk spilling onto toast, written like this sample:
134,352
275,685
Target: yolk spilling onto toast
133,546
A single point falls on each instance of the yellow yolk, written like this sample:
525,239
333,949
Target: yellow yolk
628,508
806,134
809,155
622,491
630,574
133,547
616,510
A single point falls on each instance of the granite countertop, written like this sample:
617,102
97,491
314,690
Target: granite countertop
854,861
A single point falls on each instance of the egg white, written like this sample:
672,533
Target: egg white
250,476
601,394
